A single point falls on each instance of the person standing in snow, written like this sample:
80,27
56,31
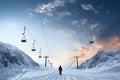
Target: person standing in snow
60,70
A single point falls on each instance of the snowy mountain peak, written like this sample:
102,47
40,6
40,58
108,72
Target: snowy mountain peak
11,56
102,58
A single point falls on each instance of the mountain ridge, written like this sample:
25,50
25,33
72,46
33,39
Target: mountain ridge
12,56
102,59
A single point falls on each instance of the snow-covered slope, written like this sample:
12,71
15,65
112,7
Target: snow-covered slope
103,59
10,56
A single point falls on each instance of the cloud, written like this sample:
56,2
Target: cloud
71,1
75,22
45,21
93,26
65,13
89,51
50,7
66,33
28,13
108,44
109,28
83,51
85,29
89,7
83,22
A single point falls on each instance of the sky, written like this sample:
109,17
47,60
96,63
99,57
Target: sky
61,28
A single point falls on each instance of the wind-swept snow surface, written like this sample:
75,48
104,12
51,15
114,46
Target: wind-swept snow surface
102,59
13,61
68,74
16,65
11,56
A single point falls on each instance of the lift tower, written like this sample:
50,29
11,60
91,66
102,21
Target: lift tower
46,60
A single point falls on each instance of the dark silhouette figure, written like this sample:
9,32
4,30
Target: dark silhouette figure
60,70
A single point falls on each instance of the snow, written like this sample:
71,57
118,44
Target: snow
11,56
102,59
105,65
68,74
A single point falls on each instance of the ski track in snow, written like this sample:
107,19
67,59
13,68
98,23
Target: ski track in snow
53,76
67,75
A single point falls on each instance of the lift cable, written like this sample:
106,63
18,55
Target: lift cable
45,35
91,41
37,44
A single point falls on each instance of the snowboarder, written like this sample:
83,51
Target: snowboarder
60,70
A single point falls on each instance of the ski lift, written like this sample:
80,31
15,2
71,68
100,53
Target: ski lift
40,54
33,48
23,38
91,41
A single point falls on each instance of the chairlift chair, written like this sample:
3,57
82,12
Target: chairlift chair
91,42
23,38
40,56
33,48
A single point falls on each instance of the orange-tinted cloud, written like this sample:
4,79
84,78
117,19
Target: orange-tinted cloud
86,52
108,44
